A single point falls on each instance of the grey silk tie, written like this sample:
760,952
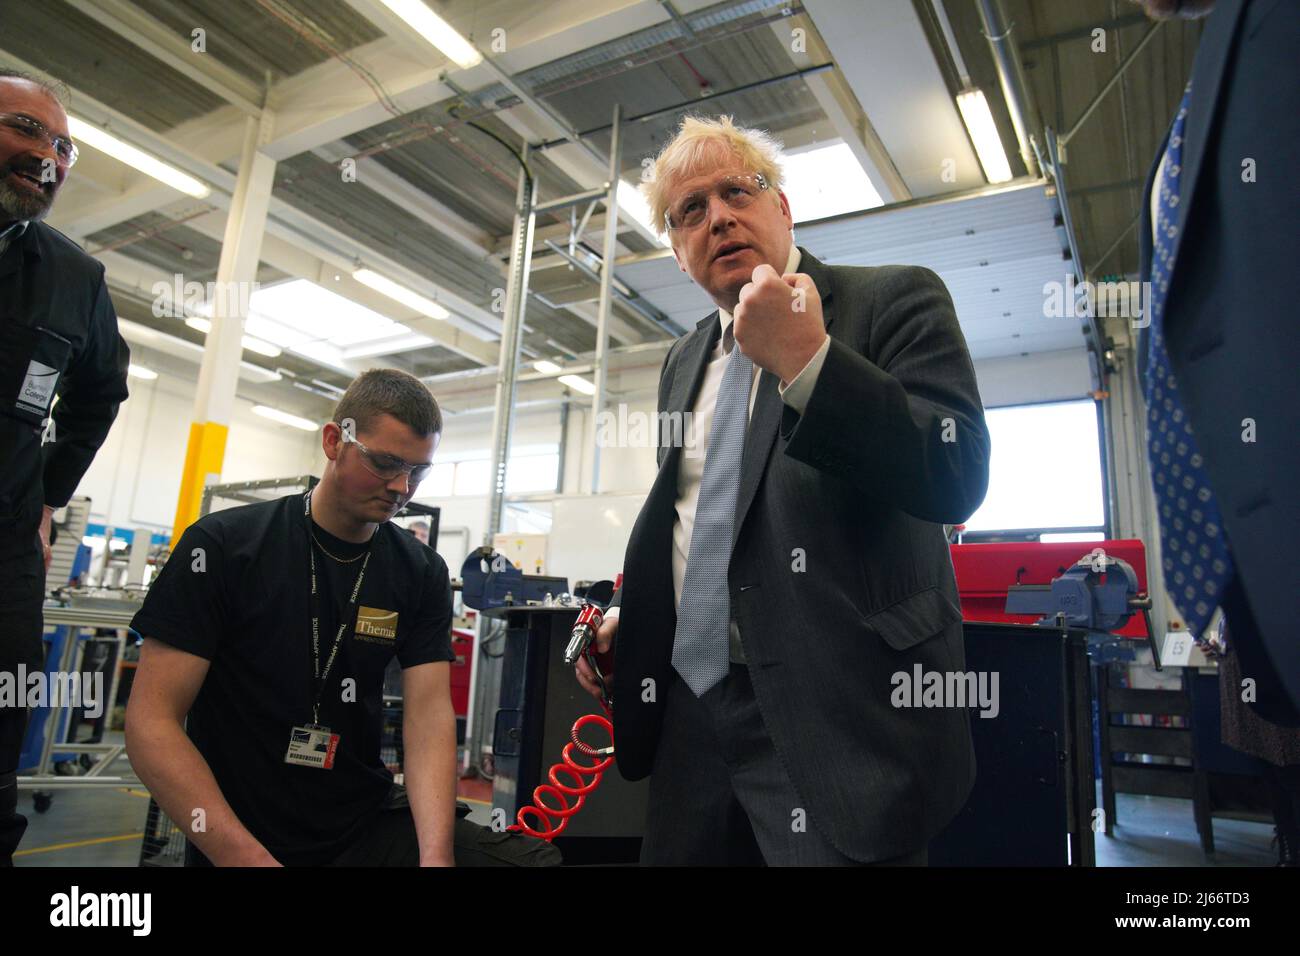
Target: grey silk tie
700,642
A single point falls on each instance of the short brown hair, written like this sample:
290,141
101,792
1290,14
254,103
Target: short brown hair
388,391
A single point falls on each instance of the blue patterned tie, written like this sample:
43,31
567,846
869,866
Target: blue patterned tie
1197,564
700,642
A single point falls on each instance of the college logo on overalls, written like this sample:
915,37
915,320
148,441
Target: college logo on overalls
38,388
376,624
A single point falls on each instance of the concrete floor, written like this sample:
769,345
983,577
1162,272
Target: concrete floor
99,826
104,826
1160,831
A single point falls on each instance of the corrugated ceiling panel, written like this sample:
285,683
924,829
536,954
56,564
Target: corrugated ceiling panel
248,37
72,47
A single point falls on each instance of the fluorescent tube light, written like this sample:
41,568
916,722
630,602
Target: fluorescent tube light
249,342
180,348
109,144
545,367
578,384
399,293
984,134
436,30
139,371
284,418
260,346
389,346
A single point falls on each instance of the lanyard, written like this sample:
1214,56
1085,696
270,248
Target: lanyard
317,673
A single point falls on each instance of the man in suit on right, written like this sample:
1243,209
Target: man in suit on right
778,587
1219,359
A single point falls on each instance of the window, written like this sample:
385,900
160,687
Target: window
441,481
529,473
827,181
536,468
1045,473
473,477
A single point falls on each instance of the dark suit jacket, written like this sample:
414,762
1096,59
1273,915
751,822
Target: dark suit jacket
859,484
1230,314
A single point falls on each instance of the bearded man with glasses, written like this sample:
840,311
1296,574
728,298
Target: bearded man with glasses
58,338
270,628
775,587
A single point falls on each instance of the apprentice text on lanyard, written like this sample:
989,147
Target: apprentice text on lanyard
313,745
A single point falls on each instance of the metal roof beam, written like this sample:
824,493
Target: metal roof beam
570,159
846,116
162,44
559,231
284,220
887,62
375,176
330,101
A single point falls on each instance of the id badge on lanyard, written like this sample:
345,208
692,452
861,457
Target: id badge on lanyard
313,745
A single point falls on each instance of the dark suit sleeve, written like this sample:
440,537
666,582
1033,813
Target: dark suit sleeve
89,395
907,427
665,387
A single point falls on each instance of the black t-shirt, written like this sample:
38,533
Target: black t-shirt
236,592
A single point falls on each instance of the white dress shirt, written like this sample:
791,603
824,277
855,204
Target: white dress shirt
1157,186
690,469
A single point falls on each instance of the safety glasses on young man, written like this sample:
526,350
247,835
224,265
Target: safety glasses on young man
388,467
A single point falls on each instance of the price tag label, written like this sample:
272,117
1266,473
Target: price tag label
1177,649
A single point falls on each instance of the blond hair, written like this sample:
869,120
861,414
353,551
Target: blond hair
692,149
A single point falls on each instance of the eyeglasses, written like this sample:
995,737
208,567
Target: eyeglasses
693,208
388,467
35,131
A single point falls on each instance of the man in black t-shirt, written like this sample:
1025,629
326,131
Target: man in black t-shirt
271,627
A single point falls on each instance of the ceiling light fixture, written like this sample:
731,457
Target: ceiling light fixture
284,418
253,344
107,143
578,384
389,346
437,31
975,114
399,293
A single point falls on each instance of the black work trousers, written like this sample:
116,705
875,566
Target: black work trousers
22,587
388,838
